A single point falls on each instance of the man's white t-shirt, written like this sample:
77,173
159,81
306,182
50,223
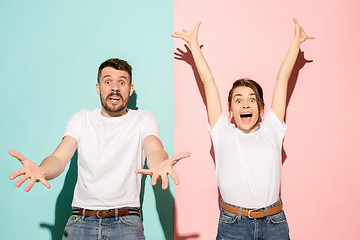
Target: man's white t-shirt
109,152
248,165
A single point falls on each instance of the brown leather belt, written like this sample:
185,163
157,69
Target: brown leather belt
256,213
105,213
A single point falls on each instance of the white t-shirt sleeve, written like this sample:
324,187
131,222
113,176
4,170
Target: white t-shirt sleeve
150,126
278,128
74,126
218,128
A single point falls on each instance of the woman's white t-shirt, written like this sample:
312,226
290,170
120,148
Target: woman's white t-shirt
248,165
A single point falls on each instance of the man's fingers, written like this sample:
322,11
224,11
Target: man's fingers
45,183
21,180
29,185
17,173
17,155
165,181
154,178
180,156
175,177
143,171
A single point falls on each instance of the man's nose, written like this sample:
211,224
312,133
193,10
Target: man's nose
115,88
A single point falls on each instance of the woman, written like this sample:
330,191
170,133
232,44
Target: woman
248,154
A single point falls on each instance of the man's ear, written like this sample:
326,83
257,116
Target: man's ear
98,88
132,88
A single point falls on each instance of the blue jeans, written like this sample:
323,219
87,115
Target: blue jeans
92,228
232,226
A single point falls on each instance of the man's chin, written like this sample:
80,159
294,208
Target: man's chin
115,110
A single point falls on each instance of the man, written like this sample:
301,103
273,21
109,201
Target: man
112,143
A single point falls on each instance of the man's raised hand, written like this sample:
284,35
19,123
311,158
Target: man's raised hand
163,169
29,171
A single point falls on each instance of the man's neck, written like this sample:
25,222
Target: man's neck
106,113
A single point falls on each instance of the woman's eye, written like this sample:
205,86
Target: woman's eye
252,100
238,101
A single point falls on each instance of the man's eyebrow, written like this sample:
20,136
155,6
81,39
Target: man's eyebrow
106,76
111,76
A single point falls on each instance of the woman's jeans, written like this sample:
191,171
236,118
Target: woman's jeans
232,226
92,228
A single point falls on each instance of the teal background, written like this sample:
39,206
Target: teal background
49,55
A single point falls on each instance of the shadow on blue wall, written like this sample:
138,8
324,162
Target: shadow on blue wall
63,202
164,206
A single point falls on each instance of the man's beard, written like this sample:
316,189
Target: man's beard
114,110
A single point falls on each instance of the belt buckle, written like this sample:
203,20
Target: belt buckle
97,214
254,210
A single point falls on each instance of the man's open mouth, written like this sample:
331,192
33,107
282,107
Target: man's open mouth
114,97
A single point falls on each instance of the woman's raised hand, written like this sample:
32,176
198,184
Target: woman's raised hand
300,33
190,36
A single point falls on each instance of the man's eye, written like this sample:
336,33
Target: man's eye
107,82
122,83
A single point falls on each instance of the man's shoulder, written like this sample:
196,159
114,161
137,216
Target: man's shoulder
141,116
86,112
141,112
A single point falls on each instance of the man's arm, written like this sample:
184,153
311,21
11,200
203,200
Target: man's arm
160,166
50,168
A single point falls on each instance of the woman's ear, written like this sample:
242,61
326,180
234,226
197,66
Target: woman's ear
262,113
230,112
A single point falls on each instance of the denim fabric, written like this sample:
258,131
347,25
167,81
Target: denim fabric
92,228
232,226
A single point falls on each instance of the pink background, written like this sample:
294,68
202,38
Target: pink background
320,181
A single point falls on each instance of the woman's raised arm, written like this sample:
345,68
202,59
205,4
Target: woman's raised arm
213,103
279,95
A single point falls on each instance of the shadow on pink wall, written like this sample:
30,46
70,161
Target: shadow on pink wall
299,64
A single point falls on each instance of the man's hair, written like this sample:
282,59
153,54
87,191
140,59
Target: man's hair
116,63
